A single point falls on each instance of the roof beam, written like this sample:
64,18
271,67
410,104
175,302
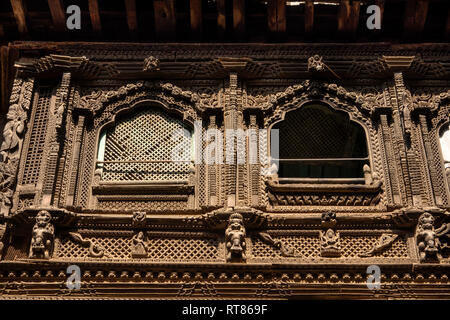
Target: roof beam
196,18
130,7
276,17
94,13
19,11
239,19
58,15
415,17
348,17
165,19
447,28
221,19
309,17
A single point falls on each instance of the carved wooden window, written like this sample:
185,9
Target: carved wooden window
319,144
445,146
148,145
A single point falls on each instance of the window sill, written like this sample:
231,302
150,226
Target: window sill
313,186
142,187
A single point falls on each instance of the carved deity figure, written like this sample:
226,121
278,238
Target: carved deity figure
151,64
329,239
42,236
315,63
427,240
139,250
235,238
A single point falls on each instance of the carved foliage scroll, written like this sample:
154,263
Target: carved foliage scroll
13,133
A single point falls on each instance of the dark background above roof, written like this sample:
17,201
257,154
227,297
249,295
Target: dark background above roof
225,21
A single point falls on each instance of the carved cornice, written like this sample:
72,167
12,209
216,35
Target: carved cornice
56,64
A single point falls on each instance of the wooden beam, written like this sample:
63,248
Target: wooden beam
281,16
447,27
130,7
276,16
165,19
348,17
309,17
239,19
196,18
19,11
415,17
58,15
4,81
221,19
94,13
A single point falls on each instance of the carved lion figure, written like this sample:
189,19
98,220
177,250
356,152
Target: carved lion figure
235,238
427,240
42,236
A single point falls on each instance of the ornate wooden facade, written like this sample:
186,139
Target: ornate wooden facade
213,230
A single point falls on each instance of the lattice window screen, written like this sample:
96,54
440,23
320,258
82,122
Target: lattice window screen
37,138
147,135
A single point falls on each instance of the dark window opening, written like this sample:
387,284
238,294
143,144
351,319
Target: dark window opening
316,141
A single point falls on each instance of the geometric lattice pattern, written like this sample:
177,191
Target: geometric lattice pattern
161,249
351,247
141,205
305,246
309,247
319,132
147,135
37,138
182,249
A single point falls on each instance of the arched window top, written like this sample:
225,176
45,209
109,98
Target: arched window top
316,141
142,146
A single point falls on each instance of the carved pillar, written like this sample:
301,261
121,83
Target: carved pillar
396,96
58,111
214,160
254,169
386,141
233,146
13,133
427,160
75,160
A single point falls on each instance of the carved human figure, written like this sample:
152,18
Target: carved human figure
329,238
427,241
139,250
235,238
151,64
42,236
